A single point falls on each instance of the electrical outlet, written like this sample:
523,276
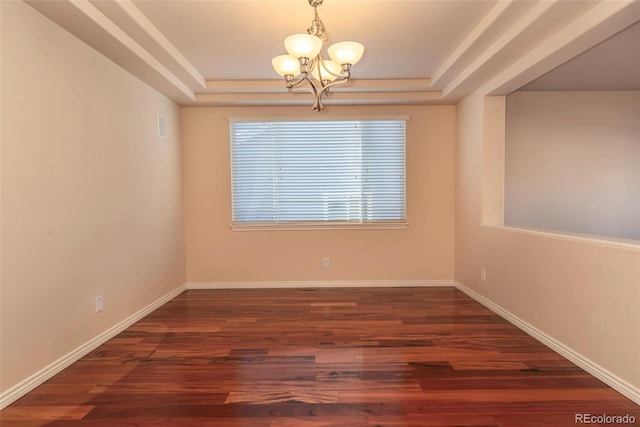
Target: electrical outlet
98,303
483,274
326,262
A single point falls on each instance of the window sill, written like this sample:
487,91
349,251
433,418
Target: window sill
320,226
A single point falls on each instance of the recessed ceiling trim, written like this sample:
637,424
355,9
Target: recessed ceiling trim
598,23
470,40
147,26
388,85
612,65
123,38
526,21
334,98
244,86
359,85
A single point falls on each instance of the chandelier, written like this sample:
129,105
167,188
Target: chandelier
304,63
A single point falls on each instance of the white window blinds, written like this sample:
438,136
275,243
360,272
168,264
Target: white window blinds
321,172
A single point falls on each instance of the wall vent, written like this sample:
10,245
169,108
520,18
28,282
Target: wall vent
161,127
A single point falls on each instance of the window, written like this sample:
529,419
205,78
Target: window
318,172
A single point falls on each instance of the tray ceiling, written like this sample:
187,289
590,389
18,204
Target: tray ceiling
217,52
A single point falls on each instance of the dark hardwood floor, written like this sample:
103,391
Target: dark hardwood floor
318,358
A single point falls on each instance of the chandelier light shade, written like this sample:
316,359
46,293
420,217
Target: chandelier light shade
346,52
303,46
286,65
305,64
326,70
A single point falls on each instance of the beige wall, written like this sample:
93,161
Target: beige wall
91,196
585,294
423,251
573,162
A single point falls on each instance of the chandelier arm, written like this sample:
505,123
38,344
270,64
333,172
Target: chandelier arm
305,66
313,89
297,82
340,82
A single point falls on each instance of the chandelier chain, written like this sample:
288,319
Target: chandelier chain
317,27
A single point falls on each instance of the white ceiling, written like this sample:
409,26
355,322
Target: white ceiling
237,39
218,52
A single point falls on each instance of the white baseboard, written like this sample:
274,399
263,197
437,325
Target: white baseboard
621,386
14,393
320,284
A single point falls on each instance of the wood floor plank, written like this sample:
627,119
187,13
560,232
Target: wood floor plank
296,396
327,421
308,357
434,420
44,412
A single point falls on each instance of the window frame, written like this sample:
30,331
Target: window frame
325,224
